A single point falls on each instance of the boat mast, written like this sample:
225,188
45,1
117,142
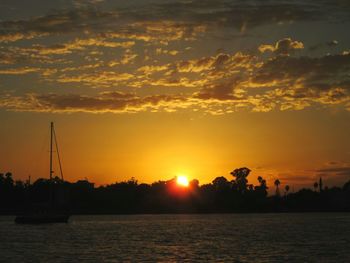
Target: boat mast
51,133
53,140
58,153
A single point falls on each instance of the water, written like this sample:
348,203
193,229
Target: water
163,238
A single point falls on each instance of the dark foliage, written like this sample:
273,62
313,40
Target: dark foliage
221,196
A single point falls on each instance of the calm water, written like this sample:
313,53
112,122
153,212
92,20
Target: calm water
225,238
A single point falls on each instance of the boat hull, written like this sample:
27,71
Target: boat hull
41,219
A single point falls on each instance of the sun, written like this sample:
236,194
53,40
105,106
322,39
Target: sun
182,180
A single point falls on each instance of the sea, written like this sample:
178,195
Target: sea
299,237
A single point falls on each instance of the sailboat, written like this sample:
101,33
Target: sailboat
50,213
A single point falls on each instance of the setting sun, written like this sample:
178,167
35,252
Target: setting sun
182,180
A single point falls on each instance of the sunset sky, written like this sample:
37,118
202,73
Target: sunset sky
154,89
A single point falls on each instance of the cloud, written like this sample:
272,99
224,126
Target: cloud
113,24
287,83
56,54
219,62
149,69
282,47
86,3
103,49
165,21
80,44
116,102
330,44
100,78
62,22
20,56
321,73
18,71
128,57
221,91
240,15
226,83
160,51
337,170
157,32
190,73
297,83
337,174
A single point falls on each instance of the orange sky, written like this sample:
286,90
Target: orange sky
148,146
153,90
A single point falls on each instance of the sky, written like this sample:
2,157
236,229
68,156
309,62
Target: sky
155,89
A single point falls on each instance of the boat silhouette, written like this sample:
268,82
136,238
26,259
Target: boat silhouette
48,212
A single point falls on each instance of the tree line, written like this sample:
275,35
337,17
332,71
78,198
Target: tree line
128,197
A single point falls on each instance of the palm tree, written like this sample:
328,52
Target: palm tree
320,184
286,188
277,183
262,188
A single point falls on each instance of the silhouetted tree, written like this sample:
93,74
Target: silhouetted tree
320,185
221,183
8,180
2,179
277,183
194,184
286,188
346,186
167,197
315,186
262,187
241,181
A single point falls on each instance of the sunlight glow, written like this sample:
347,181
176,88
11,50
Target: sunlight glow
182,180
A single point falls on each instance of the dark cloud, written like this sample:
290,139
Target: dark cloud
282,47
240,15
220,91
321,73
90,21
336,170
224,81
336,174
331,43
104,102
76,20
284,82
289,178
236,14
